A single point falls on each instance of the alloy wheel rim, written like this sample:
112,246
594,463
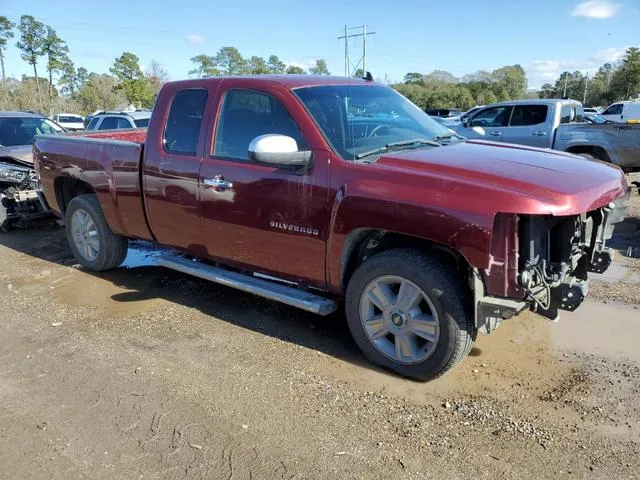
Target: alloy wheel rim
85,235
399,319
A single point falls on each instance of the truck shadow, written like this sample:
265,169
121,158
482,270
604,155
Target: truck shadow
142,280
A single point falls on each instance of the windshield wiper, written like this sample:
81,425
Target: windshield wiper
441,138
403,143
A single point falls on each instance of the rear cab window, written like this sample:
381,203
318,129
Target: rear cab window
182,130
571,113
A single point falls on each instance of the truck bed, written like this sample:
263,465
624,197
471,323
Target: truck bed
108,161
621,141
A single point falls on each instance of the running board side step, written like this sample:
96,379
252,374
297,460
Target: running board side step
257,286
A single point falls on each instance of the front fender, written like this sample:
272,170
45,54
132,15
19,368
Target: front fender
352,214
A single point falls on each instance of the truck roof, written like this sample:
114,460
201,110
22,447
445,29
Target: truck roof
539,101
289,81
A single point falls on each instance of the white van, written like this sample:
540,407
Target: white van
622,112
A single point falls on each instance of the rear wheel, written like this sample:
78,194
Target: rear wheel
406,311
92,242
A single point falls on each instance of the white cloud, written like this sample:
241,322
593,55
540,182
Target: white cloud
596,9
610,55
304,65
195,39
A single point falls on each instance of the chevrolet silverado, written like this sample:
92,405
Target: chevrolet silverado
316,190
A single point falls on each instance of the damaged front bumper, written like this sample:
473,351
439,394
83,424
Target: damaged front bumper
542,263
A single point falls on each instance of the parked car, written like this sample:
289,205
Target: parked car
557,124
277,191
591,110
444,112
69,121
623,112
447,122
120,120
470,112
20,198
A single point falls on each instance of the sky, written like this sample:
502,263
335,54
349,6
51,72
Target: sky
462,36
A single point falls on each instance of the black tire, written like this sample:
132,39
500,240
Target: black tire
112,247
447,295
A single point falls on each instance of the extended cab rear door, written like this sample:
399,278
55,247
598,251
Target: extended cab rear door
173,152
530,125
258,217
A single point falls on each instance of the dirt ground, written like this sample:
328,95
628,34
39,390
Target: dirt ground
147,373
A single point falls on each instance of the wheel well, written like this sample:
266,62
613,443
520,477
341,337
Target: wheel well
597,152
67,188
363,243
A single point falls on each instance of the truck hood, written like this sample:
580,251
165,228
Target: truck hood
519,179
21,154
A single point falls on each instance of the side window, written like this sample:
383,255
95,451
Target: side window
182,132
615,109
246,114
93,123
492,117
525,115
124,122
109,123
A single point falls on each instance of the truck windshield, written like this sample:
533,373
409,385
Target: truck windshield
359,120
22,130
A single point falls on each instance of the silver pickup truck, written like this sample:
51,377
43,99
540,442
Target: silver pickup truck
557,124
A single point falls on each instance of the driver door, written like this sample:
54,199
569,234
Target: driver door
490,123
258,217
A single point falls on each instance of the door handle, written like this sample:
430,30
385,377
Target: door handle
539,134
217,183
495,133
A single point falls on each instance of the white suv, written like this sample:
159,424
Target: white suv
120,120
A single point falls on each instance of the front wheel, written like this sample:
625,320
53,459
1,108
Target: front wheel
91,240
406,312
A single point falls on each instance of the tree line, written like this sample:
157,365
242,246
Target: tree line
58,84
611,83
441,89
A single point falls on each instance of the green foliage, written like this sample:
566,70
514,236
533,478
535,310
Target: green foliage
136,87
294,70
258,66
441,89
320,68
205,67
100,92
56,50
229,61
414,78
276,66
31,43
32,38
6,33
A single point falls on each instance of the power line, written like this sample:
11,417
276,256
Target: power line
350,68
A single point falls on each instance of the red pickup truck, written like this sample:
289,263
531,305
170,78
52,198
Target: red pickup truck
309,190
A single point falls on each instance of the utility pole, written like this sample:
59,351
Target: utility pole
363,59
566,79
586,85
